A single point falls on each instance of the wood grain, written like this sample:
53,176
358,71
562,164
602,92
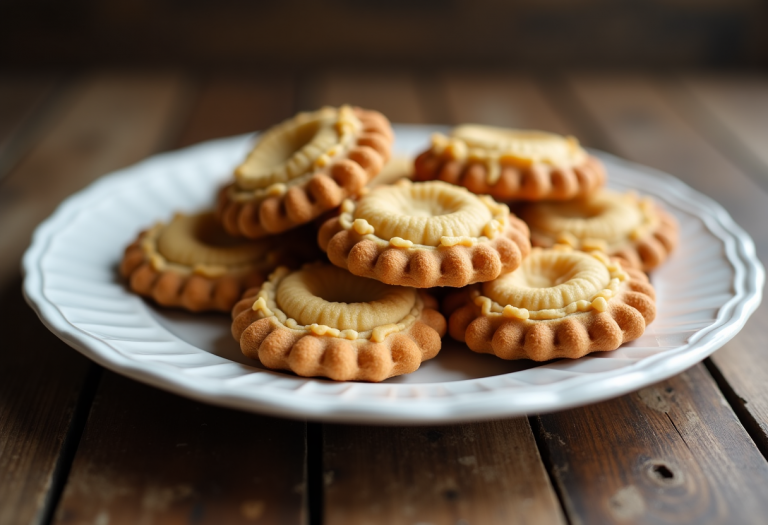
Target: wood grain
487,473
105,121
671,453
654,122
394,93
733,109
151,457
233,104
22,111
42,380
511,101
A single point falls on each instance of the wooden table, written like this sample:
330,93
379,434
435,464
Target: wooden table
79,444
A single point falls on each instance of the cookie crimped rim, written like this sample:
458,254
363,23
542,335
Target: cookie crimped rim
400,262
194,288
342,170
512,172
606,322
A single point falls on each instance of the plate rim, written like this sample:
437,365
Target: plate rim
740,252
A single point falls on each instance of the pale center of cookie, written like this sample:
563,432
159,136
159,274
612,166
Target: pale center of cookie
193,240
298,146
550,279
330,296
423,213
608,216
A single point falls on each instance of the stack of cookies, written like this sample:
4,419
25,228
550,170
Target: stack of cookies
367,308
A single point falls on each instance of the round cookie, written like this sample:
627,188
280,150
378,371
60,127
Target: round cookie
511,164
304,167
322,321
634,229
424,235
559,303
194,264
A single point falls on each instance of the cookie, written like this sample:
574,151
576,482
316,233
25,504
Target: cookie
635,229
323,321
424,235
304,167
510,164
559,303
192,263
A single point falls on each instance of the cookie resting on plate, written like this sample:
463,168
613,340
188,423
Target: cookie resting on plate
192,263
323,321
559,303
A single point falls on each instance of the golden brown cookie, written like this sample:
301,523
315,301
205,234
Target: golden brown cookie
559,303
635,229
194,264
424,235
304,167
510,164
323,321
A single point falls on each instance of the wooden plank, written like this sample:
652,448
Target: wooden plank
670,453
735,114
393,93
151,457
44,386
22,101
511,101
230,105
652,123
478,473
486,473
106,121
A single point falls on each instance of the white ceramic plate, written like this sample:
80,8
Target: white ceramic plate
706,292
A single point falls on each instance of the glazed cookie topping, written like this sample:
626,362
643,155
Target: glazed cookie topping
198,244
497,146
297,147
429,214
322,321
623,225
325,300
552,284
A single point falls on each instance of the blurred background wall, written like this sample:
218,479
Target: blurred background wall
304,33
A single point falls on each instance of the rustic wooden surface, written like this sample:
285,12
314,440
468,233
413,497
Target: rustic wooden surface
78,445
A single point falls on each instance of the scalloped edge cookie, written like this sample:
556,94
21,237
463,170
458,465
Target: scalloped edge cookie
321,351
280,207
645,252
403,263
197,289
624,318
448,160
